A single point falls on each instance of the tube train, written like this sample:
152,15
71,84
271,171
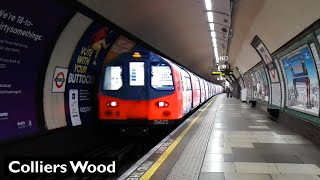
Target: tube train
146,89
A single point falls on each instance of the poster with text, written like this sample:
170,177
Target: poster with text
264,87
302,81
28,30
84,68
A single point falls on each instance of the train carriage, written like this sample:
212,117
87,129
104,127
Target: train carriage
145,88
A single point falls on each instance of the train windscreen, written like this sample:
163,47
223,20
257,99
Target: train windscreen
112,78
161,77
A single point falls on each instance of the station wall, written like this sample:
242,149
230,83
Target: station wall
295,90
51,63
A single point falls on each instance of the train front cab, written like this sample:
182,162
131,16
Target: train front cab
141,90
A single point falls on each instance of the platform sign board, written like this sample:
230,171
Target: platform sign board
302,81
265,56
264,53
27,31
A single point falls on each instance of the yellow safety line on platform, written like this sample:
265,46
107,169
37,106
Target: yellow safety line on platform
167,152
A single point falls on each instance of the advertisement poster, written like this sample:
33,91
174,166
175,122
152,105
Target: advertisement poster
84,68
259,85
249,85
241,83
302,81
254,85
265,81
264,54
121,45
28,30
263,90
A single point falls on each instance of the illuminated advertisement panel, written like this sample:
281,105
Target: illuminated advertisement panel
88,57
28,29
302,81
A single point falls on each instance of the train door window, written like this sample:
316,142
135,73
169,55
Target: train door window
188,83
161,77
197,84
182,82
136,73
112,78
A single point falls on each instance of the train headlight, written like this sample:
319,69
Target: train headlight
112,104
162,104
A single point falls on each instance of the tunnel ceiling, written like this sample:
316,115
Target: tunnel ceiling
179,29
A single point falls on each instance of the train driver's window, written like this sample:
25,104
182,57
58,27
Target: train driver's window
161,77
112,78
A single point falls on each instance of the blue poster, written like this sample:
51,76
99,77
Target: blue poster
302,81
83,71
28,31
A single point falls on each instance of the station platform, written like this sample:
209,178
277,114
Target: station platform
229,140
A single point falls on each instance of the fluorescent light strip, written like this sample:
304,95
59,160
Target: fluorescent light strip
210,16
213,34
208,5
211,26
214,42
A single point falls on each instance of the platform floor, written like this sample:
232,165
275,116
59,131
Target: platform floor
228,140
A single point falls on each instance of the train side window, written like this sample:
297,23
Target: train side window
161,77
112,78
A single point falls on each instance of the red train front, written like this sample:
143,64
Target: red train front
140,87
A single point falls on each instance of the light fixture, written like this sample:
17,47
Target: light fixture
211,26
213,34
210,16
208,5
214,42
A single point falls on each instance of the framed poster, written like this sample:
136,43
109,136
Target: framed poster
302,81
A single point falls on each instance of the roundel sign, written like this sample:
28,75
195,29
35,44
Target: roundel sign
59,79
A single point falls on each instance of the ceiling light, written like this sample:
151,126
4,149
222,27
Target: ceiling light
213,34
214,42
208,5
210,16
211,26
